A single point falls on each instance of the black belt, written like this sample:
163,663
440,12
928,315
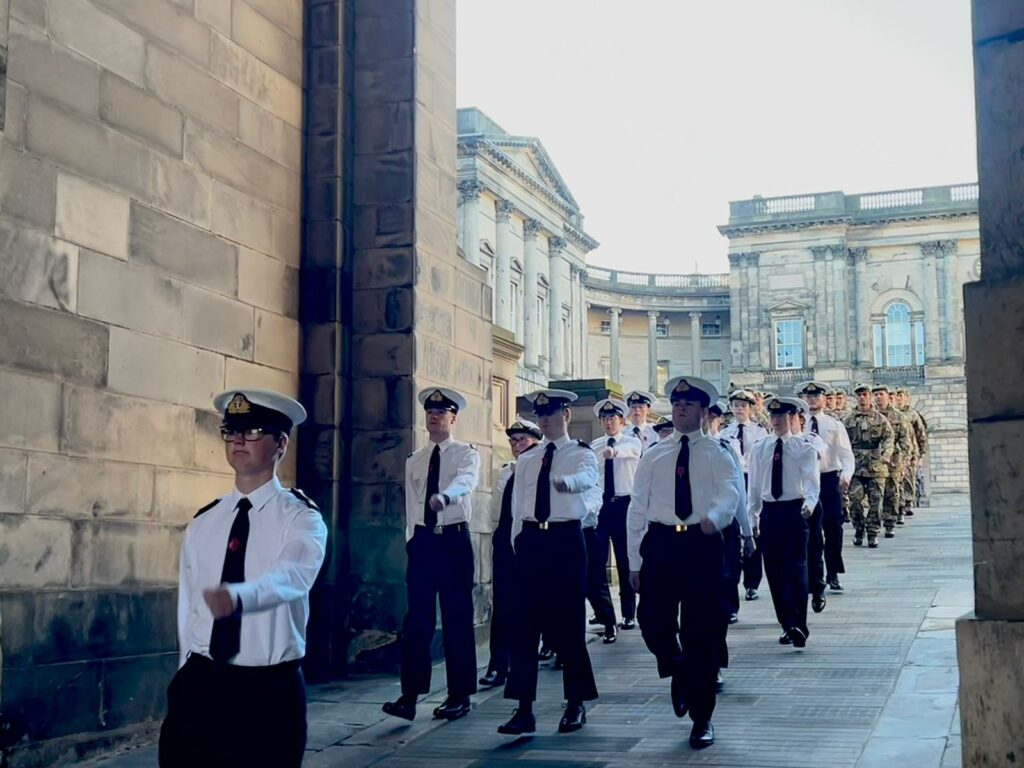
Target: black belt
782,503
833,472
450,528
550,524
680,528
613,499
197,659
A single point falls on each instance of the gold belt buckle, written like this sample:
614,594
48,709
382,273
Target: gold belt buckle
680,528
438,529
543,526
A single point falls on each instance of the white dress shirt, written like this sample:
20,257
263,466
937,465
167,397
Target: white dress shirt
283,554
573,463
504,474
741,509
457,479
645,434
838,455
715,483
624,463
752,434
800,477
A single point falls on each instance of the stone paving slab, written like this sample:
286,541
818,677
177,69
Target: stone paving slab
876,684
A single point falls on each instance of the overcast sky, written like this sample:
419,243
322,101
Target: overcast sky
658,112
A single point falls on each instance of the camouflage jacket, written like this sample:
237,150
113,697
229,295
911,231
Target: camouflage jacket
920,432
903,435
872,440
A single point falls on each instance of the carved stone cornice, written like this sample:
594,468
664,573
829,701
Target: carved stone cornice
470,189
504,344
503,210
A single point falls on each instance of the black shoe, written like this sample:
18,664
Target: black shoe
609,635
899,522
518,724
909,513
798,637
818,603
575,717
559,664
733,618
678,695
452,709
627,624
890,535
873,543
834,585
784,639
719,682
751,594
491,680
702,736
545,654
400,708
858,541
593,621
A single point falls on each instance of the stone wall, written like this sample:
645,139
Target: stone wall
149,254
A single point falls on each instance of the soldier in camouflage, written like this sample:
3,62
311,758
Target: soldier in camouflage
892,503
910,485
871,438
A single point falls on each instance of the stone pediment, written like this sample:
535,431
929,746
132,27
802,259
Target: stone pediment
787,306
530,156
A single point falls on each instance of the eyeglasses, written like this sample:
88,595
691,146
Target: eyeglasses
250,435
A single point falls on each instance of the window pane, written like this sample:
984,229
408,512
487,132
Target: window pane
789,344
712,371
897,335
919,342
606,327
661,330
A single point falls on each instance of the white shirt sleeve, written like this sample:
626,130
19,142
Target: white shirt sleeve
725,498
636,515
411,501
811,477
585,475
754,481
844,449
629,448
467,474
184,598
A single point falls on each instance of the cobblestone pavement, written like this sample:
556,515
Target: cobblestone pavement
876,684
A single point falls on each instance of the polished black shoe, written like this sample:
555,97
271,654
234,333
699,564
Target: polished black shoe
702,736
491,680
890,535
873,543
785,639
751,594
797,636
719,682
627,624
818,603
400,708
909,513
545,654
452,709
858,541
678,696
593,621
899,522
609,635
834,585
559,664
518,724
575,717
733,618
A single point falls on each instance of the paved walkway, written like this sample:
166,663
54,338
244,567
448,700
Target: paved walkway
876,684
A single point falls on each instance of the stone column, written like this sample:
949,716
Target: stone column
952,315
932,316
862,331
502,264
761,333
840,263
556,271
820,316
531,317
695,356
652,350
736,298
614,344
469,197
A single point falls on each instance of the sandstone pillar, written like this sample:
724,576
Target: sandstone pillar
614,351
531,310
862,331
469,194
695,356
736,295
556,275
952,350
932,317
503,264
652,351
840,261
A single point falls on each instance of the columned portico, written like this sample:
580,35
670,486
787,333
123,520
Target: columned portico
932,352
503,264
556,271
469,195
652,350
695,357
531,317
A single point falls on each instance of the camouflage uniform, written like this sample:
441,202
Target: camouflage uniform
910,487
892,505
871,438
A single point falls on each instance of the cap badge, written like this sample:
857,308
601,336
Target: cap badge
239,405
682,386
436,396
542,399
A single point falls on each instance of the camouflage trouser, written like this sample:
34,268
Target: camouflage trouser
892,497
865,498
846,507
909,486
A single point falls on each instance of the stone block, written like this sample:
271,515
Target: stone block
240,70
155,368
270,135
384,309
267,283
380,38
278,341
83,27
69,487
385,403
37,268
209,447
53,700
35,551
28,187
435,318
998,576
286,229
384,354
13,480
380,456
179,495
176,247
218,323
436,190
92,216
30,411
192,90
286,14
994,314
241,374
385,127
131,296
320,348
996,486
377,82
163,21
31,12
14,119
241,167
242,219
114,553
435,274
435,233
110,426
380,555
993,18
52,70
137,112
384,268
472,333
38,340
991,679
216,13
378,505
434,361
384,179
135,689
266,41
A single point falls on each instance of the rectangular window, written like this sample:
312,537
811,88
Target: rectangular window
500,408
513,308
712,371
789,344
606,327
712,329
661,330
879,337
919,343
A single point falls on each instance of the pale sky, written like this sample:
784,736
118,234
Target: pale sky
658,112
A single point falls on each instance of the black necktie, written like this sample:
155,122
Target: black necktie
433,478
609,472
226,638
742,449
684,501
636,432
505,518
777,470
542,504
814,424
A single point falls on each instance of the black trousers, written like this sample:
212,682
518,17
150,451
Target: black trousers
732,556
681,576
831,502
784,542
551,585
440,567
502,594
612,525
222,716
598,594
753,568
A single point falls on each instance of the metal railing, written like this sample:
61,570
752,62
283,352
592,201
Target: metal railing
898,374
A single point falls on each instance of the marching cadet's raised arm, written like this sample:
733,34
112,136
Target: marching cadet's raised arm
725,498
811,479
754,500
636,517
585,476
467,475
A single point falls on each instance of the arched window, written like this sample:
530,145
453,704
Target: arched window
899,340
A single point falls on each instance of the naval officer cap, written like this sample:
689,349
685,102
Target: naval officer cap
814,388
663,425
719,407
692,389
744,396
523,427
610,406
262,408
441,399
779,406
639,397
548,401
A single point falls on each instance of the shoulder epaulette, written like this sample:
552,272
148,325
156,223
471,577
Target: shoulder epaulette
208,507
506,465
303,498
530,448
583,443
471,446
